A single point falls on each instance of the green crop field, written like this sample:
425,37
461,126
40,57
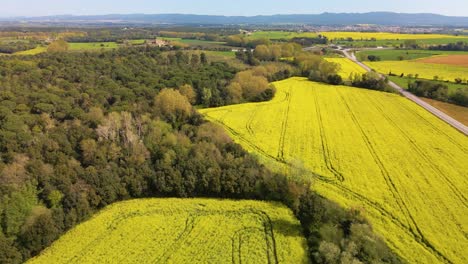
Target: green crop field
92,46
424,70
347,67
367,149
403,83
399,54
183,231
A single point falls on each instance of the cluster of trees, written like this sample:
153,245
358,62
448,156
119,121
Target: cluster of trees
83,130
370,80
253,84
305,42
12,47
459,46
246,42
439,91
275,52
373,58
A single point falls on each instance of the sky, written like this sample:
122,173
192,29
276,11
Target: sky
11,8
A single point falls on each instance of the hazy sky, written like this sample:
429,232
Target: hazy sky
224,7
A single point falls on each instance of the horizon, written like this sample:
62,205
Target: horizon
226,8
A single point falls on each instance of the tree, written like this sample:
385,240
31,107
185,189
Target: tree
8,253
172,105
188,91
58,46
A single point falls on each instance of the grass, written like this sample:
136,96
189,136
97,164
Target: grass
183,231
398,54
196,42
92,46
366,149
403,83
347,67
424,70
37,50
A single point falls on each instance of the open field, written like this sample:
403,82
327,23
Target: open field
183,231
397,43
377,151
195,42
424,70
385,36
347,67
37,50
458,60
400,54
460,113
92,46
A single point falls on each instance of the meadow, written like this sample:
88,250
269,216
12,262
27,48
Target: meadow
424,70
404,168
183,231
347,67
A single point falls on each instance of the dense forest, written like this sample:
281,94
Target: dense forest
79,131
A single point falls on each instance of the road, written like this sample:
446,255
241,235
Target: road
448,119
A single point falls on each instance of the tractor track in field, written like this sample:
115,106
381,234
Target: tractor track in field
388,180
323,138
421,153
284,126
400,103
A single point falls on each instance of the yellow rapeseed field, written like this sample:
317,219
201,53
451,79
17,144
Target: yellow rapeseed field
424,70
383,36
183,231
347,67
407,169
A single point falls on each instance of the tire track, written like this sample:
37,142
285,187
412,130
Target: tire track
421,153
323,138
432,125
284,126
402,204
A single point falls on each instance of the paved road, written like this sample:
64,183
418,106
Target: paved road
454,123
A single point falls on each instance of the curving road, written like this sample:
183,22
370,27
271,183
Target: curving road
448,119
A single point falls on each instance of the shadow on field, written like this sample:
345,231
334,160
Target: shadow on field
287,228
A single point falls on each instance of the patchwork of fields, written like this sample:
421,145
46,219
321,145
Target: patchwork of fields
403,166
424,70
347,67
183,231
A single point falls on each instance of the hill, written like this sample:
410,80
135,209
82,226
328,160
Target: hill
370,150
377,18
183,231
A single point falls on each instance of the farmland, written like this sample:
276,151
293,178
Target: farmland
401,54
424,70
93,46
403,83
385,36
277,35
370,150
183,231
459,113
458,60
347,67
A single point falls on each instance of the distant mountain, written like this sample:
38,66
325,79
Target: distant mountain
379,18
